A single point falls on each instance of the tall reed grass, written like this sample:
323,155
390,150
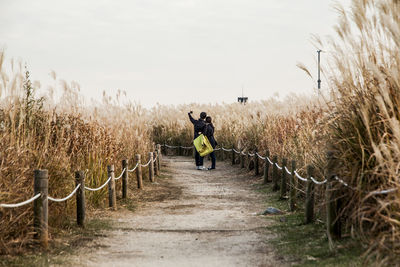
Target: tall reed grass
365,120
62,136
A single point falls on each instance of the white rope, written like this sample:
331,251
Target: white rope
383,192
318,182
120,174
298,176
21,203
286,169
261,157
65,198
279,167
341,181
186,147
98,188
269,160
237,152
171,146
217,149
147,164
134,168
227,150
251,155
373,193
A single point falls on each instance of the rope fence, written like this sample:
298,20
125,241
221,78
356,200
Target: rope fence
65,198
41,197
100,187
134,168
284,179
287,180
20,204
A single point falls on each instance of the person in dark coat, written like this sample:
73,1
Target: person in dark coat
209,132
199,127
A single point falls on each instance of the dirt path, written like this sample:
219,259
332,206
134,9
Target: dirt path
211,222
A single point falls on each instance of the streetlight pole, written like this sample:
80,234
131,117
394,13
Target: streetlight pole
319,69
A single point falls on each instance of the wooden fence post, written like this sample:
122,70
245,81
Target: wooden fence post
310,195
293,186
112,195
180,151
40,207
233,155
275,186
283,179
139,172
156,170
266,168
241,159
80,198
248,161
333,225
151,167
159,157
256,163
125,178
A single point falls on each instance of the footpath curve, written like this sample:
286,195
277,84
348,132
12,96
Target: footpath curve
211,222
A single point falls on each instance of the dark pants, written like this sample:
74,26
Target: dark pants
213,159
199,160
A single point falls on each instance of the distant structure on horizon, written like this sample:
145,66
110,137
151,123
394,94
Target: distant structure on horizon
243,99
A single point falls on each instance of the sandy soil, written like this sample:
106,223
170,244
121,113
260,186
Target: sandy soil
209,220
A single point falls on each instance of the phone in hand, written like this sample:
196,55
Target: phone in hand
191,112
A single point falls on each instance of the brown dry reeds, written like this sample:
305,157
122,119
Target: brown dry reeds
365,128
62,136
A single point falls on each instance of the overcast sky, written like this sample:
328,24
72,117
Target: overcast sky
169,51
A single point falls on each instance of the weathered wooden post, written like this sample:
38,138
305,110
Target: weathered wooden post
293,186
125,178
40,207
233,155
333,225
248,161
310,195
256,163
80,198
266,167
112,195
139,172
180,151
156,170
241,159
151,167
283,179
275,186
159,157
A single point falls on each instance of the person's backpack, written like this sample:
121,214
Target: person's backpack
203,145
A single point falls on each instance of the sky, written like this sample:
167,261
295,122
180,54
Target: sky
170,52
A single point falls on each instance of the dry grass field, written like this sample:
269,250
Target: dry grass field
358,119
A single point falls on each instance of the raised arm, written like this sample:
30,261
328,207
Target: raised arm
191,118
